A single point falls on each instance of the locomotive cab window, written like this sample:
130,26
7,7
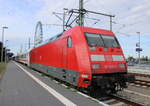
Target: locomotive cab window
69,42
94,39
101,40
110,41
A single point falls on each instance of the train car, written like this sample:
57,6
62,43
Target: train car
23,58
84,57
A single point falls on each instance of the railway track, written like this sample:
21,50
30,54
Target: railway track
139,82
140,75
115,100
142,83
123,100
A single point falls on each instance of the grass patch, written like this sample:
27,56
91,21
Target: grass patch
2,68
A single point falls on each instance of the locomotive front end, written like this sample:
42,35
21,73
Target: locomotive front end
108,64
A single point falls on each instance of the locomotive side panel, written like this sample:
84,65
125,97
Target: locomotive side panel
56,60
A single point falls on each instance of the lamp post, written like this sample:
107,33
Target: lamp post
139,45
6,50
3,41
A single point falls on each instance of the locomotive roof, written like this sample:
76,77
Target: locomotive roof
94,30
81,28
50,40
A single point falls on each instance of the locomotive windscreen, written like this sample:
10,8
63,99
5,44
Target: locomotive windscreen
101,40
94,39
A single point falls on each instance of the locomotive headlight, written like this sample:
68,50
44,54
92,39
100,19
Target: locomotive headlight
96,57
122,65
95,66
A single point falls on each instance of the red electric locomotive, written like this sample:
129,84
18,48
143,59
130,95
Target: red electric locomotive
84,57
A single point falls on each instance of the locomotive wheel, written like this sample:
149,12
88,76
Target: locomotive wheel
96,91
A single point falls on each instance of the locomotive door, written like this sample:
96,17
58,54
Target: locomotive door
69,52
67,49
68,59
64,53
64,59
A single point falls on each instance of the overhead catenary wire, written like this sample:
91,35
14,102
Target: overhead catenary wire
124,33
119,28
96,19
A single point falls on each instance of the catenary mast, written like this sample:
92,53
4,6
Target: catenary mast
81,15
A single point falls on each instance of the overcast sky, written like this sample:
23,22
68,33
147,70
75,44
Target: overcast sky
21,16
